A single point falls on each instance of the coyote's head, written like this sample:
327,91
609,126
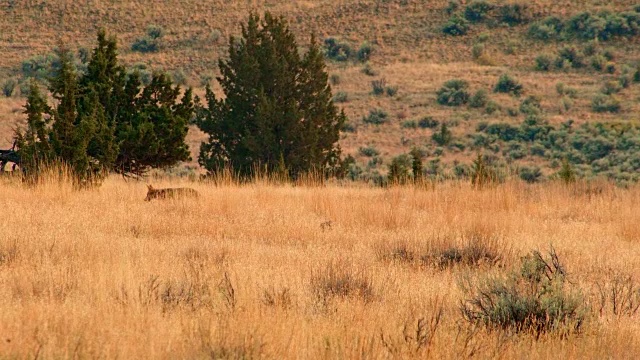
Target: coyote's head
151,193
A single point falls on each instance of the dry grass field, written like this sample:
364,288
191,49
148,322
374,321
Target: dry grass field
274,271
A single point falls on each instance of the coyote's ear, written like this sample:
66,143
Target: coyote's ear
149,187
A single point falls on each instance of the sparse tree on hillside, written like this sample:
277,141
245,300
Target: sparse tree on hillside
278,109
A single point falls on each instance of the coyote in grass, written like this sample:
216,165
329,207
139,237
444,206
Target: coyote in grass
169,193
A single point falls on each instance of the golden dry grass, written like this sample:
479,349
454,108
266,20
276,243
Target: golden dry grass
240,272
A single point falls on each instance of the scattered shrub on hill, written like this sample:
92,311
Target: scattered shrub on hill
530,174
506,84
456,26
481,173
611,87
336,50
562,89
636,75
400,169
605,103
428,123
8,87
334,79
410,124
340,97
514,14
368,151
41,67
479,99
453,93
598,62
443,136
530,105
152,42
477,11
534,299
376,117
378,86
492,107
549,28
543,62
570,55
339,281
391,91
368,70
364,52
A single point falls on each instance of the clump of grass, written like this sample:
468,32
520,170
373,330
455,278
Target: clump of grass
376,117
280,298
378,86
453,93
619,295
477,250
337,280
534,299
508,85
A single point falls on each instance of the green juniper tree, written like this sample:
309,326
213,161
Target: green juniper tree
277,112
33,143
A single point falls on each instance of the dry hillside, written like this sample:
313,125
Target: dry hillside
410,52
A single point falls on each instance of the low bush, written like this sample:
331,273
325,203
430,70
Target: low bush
443,136
479,99
605,103
570,55
369,151
530,105
339,281
514,14
376,117
428,123
536,299
477,11
456,26
547,29
506,84
453,93
9,86
337,50
341,97
530,174
378,86
543,62
364,52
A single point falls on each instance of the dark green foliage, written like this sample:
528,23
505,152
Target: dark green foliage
378,86
530,105
570,55
604,103
8,86
337,50
456,26
547,29
477,11
41,67
277,106
636,75
453,93
543,62
443,136
428,123
604,25
376,117
364,52
416,164
506,84
341,97
514,14
410,124
530,174
368,151
566,173
104,121
152,42
34,147
400,169
534,299
504,131
611,87
481,174
391,91
479,99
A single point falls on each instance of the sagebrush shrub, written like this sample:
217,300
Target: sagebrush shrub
8,87
376,117
479,99
364,52
453,93
506,84
456,26
514,14
605,103
547,29
543,62
428,123
536,299
477,11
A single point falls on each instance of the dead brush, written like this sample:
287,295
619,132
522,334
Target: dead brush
399,252
418,334
9,253
619,295
278,298
338,280
475,251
